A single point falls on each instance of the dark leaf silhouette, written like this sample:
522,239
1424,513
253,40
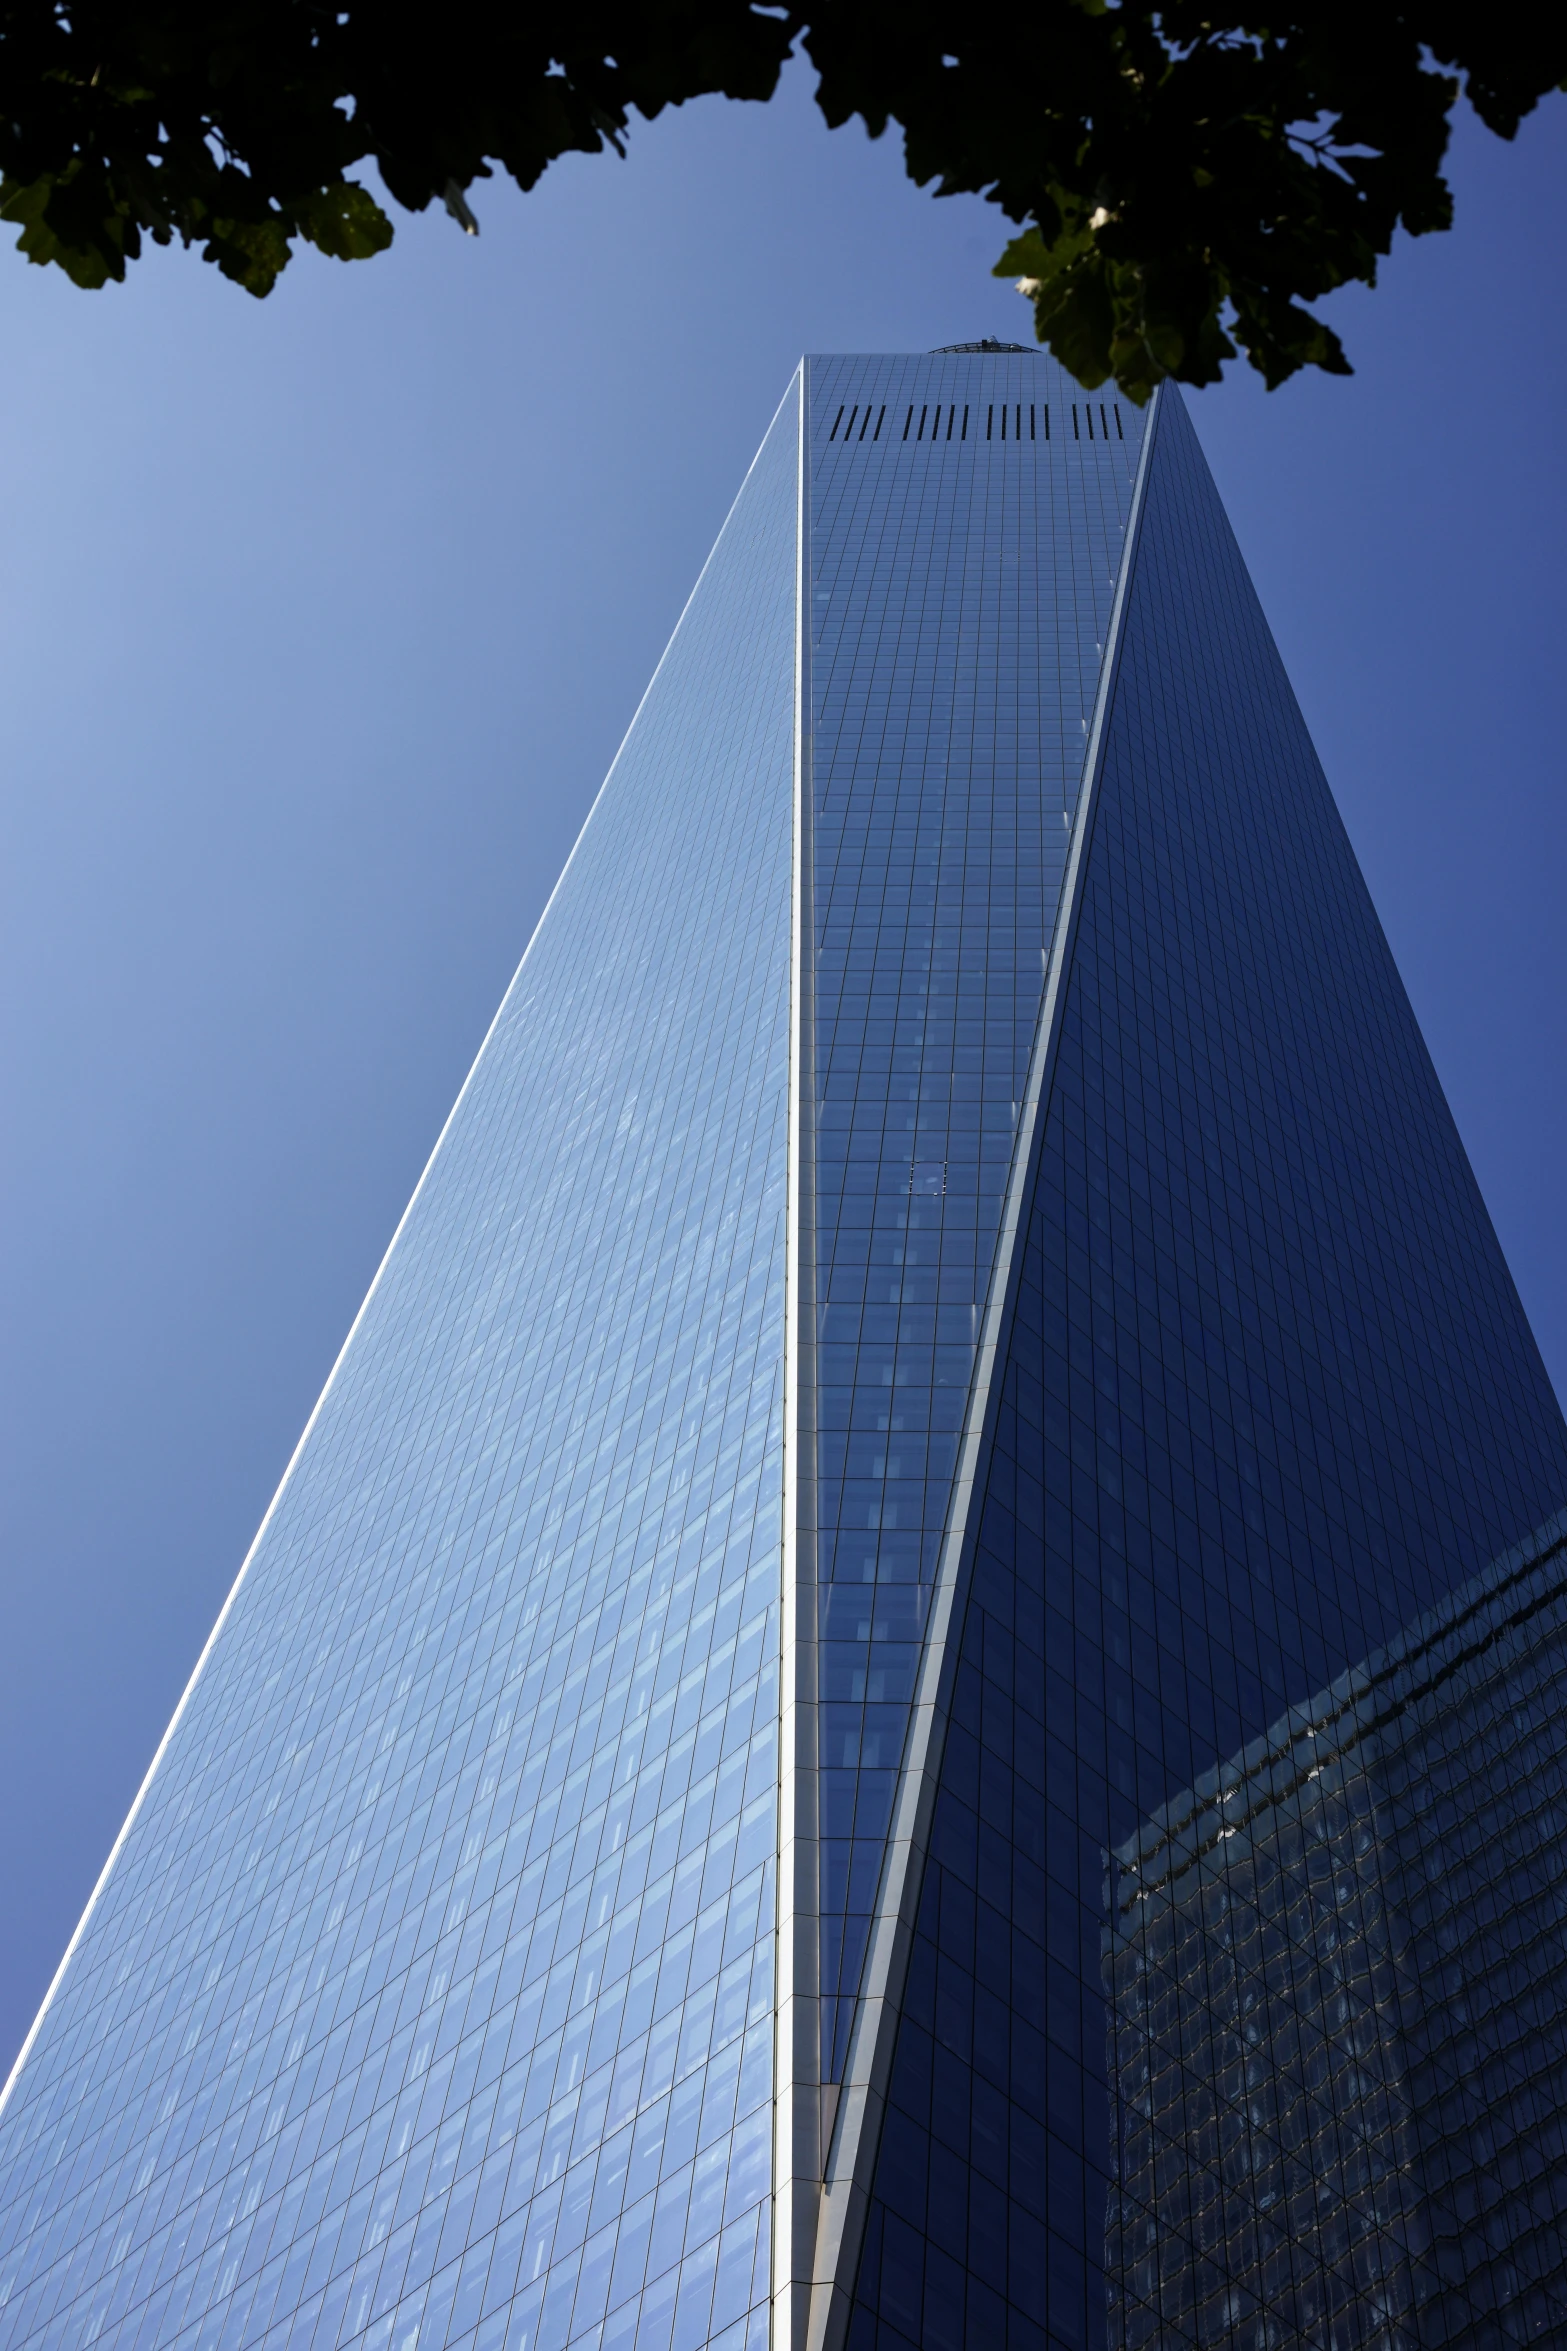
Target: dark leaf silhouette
1185,181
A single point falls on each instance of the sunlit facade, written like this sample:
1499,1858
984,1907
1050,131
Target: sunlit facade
949,1301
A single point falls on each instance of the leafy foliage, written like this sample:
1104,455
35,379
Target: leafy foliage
1190,175
1184,179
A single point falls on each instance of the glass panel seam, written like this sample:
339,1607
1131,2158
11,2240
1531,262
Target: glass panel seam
797,2129
851,2156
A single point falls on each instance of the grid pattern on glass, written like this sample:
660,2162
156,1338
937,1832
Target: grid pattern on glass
968,517
1269,1393
1337,1983
429,2001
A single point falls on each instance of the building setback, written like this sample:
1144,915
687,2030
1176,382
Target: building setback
949,1301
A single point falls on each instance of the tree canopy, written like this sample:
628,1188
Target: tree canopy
1185,177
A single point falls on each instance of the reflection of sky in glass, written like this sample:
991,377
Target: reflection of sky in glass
430,1997
967,521
1268,1392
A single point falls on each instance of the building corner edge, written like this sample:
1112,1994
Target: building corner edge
797,2133
849,2161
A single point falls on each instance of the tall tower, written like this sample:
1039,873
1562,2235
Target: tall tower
949,1301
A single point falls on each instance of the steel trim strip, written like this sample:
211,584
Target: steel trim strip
861,2107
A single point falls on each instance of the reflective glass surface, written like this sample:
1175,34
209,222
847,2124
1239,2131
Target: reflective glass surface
429,2000
967,524
1269,1395
1337,1974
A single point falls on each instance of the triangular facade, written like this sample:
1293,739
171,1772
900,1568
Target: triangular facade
950,1300
1267,1393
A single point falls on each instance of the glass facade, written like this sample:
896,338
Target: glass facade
1337,1976
950,1302
1268,1394
428,2001
968,515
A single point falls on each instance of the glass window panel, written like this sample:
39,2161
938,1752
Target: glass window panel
439,1956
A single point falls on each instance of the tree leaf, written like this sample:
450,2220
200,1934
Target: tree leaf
344,221
1186,182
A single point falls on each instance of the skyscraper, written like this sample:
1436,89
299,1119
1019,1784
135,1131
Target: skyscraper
949,1301
1339,2028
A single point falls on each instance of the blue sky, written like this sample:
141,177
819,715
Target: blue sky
322,618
